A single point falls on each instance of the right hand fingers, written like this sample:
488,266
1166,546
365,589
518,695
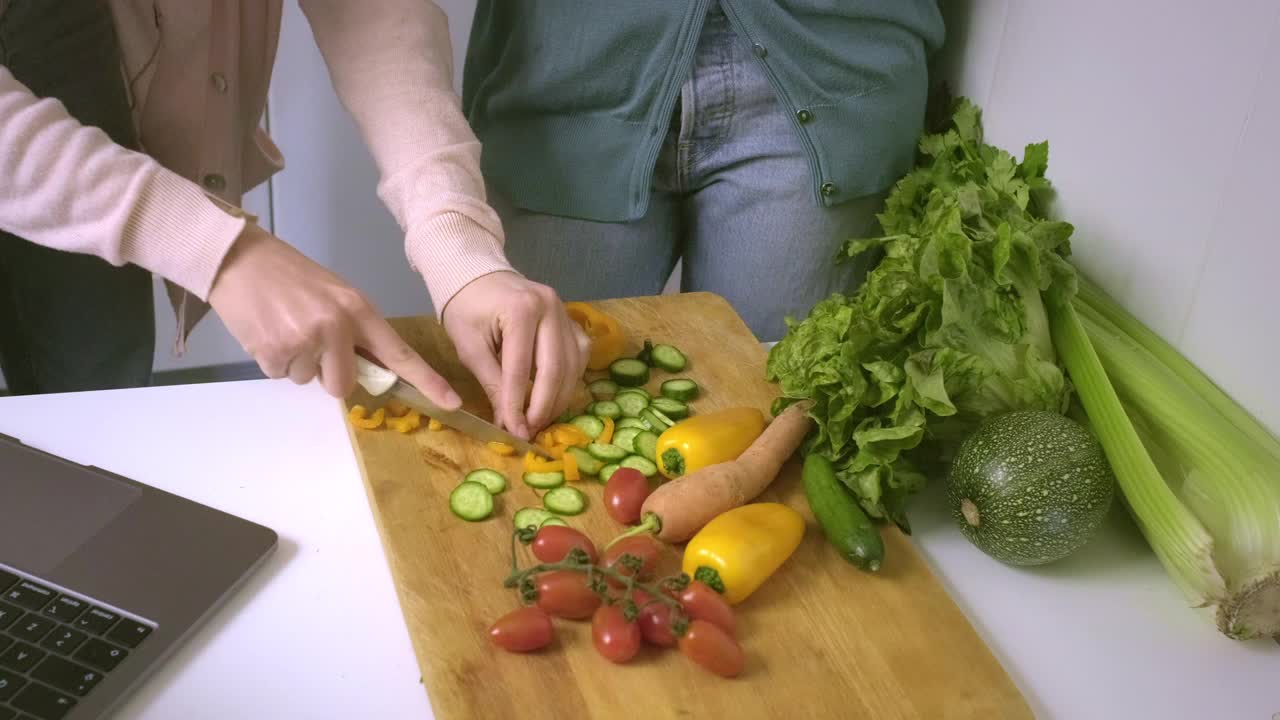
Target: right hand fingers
480,359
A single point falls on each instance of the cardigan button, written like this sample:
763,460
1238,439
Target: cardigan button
219,82
828,189
759,50
215,182
804,116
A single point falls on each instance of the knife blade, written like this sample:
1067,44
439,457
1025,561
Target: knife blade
379,381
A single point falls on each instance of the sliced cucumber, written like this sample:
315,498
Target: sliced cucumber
630,422
587,465
634,391
656,420
669,358
607,453
631,404
565,501
629,372
606,409
672,409
682,389
603,389
625,438
590,409
607,472
566,416
644,465
543,480
493,481
646,444
535,517
471,501
589,424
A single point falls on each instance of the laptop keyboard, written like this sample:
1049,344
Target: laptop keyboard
55,647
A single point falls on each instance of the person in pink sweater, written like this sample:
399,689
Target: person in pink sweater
129,132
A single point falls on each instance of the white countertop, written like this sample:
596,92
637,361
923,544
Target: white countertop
318,631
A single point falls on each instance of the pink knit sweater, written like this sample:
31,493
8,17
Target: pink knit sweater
200,69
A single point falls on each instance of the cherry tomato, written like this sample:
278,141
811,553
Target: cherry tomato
624,494
522,630
643,547
553,543
564,593
615,639
712,648
702,603
654,620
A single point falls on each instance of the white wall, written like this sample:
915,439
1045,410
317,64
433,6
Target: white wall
1161,119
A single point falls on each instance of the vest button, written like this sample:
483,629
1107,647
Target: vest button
828,189
759,50
215,182
804,116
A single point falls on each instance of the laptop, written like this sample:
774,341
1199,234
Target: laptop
101,579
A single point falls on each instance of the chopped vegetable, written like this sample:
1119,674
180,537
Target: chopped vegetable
357,417
434,425
606,409
669,358
590,426
625,439
603,389
632,422
606,435
493,481
744,547
571,470
501,448
405,423
679,509
543,480
631,404
533,463
565,501
471,501
645,466
535,518
671,409
607,472
395,408
707,440
682,389
646,445
607,338
607,453
629,372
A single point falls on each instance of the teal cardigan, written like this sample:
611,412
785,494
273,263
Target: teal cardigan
572,98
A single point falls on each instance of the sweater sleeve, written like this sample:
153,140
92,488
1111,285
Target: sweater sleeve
392,70
67,186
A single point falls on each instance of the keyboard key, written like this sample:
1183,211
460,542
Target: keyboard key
42,702
129,632
31,627
9,684
6,579
29,595
5,641
97,621
67,676
101,655
21,657
66,608
8,614
63,640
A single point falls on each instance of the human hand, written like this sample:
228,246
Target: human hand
301,321
506,327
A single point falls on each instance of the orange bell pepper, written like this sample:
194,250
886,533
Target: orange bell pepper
533,463
607,338
571,468
358,418
569,435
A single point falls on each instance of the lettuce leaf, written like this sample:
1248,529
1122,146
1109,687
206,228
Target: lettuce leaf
947,329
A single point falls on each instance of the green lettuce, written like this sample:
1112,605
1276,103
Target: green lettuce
947,329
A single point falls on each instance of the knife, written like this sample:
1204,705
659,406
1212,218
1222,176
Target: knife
378,381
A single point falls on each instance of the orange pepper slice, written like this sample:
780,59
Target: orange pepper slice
557,451
571,468
395,408
406,423
533,463
607,338
358,419
434,424
606,435
502,448
569,435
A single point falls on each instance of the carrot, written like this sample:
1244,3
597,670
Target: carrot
677,510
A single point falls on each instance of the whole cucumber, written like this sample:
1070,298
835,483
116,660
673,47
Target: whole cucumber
843,520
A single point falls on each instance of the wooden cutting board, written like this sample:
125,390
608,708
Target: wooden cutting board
822,639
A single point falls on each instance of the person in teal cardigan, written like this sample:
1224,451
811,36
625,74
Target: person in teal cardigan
748,138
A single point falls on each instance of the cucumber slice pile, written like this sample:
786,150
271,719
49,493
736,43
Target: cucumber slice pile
493,481
535,517
609,453
587,464
644,465
589,424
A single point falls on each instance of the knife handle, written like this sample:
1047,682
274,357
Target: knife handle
374,378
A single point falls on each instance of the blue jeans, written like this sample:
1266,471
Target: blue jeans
733,198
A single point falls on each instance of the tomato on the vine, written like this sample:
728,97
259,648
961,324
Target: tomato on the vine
523,630
643,547
654,620
616,639
564,593
553,543
624,495
700,602
712,648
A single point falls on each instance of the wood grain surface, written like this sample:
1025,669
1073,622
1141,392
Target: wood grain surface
822,639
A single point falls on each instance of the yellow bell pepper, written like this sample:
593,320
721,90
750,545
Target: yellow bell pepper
607,338
501,448
533,463
709,439
571,472
743,547
358,418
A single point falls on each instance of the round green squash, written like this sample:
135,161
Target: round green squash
1030,487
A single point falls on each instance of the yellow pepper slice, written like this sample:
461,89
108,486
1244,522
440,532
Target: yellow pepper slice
502,448
571,467
607,338
533,463
357,417
606,435
405,423
709,439
395,408
434,425
743,547
569,435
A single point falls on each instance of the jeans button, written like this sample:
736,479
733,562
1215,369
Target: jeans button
215,182
828,189
804,116
759,50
